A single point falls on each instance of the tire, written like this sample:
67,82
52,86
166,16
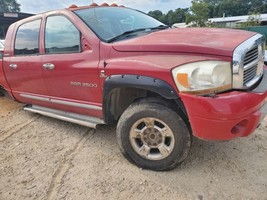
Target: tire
152,136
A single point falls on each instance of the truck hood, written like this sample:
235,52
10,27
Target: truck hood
187,40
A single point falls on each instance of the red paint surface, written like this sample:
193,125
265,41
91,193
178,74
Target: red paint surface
187,40
153,55
213,118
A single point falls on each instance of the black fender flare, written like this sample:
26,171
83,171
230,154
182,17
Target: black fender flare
155,85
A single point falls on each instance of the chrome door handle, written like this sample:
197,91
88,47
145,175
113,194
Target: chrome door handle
49,66
13,66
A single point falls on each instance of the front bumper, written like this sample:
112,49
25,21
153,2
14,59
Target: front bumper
229,115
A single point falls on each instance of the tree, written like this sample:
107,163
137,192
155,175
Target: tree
258,6
9,6
220,8
157,14
233,8
180,14
201,10
171,17
200,14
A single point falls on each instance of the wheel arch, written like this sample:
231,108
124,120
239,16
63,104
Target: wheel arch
120,91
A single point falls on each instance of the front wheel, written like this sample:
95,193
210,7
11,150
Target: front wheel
153,136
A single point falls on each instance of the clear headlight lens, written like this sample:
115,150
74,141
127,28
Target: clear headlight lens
203,77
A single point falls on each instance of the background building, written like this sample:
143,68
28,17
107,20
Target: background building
6,19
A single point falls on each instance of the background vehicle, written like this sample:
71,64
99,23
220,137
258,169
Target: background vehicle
1,56
1,48
108,64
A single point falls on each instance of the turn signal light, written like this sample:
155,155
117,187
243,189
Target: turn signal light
183,79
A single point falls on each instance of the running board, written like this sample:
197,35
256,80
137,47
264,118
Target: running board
65,116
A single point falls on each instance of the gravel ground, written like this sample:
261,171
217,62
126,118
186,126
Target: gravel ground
44,158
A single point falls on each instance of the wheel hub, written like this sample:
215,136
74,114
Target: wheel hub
152,137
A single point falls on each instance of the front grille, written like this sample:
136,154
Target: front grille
250,73
250,65
251,56
248,62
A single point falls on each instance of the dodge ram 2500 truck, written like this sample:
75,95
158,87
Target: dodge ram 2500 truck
109,64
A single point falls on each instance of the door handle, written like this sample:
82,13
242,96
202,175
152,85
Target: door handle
49,66
13,66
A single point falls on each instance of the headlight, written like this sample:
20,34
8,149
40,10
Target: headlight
203,77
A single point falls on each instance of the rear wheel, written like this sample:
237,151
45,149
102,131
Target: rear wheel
152,136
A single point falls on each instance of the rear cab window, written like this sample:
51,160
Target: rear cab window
27,39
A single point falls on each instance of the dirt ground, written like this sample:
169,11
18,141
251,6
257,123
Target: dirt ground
44,158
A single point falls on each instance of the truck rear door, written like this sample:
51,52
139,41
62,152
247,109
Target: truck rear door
23,68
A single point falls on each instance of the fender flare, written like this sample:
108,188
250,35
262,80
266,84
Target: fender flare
141,82
155,85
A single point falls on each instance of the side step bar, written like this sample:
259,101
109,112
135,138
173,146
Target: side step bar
65,116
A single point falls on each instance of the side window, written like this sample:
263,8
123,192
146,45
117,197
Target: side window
27,38
61,36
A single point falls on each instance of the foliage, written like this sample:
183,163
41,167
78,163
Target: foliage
253,20
157,14
201,10
9,6
170,17
228,8
199,14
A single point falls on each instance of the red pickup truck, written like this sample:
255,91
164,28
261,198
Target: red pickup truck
106,64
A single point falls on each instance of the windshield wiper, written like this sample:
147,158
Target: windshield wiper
126,33
160,27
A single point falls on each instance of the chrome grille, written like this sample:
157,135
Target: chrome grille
250,65
251,56
248,60
250,73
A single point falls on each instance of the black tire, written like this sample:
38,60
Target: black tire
146,146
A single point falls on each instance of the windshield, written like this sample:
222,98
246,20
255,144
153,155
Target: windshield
111,22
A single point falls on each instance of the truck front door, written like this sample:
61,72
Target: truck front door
70,71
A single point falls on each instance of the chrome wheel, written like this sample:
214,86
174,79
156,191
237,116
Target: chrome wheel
152,139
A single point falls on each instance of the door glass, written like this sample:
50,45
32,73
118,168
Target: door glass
27,38
61,36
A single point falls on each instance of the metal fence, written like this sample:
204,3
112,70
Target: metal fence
259,29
